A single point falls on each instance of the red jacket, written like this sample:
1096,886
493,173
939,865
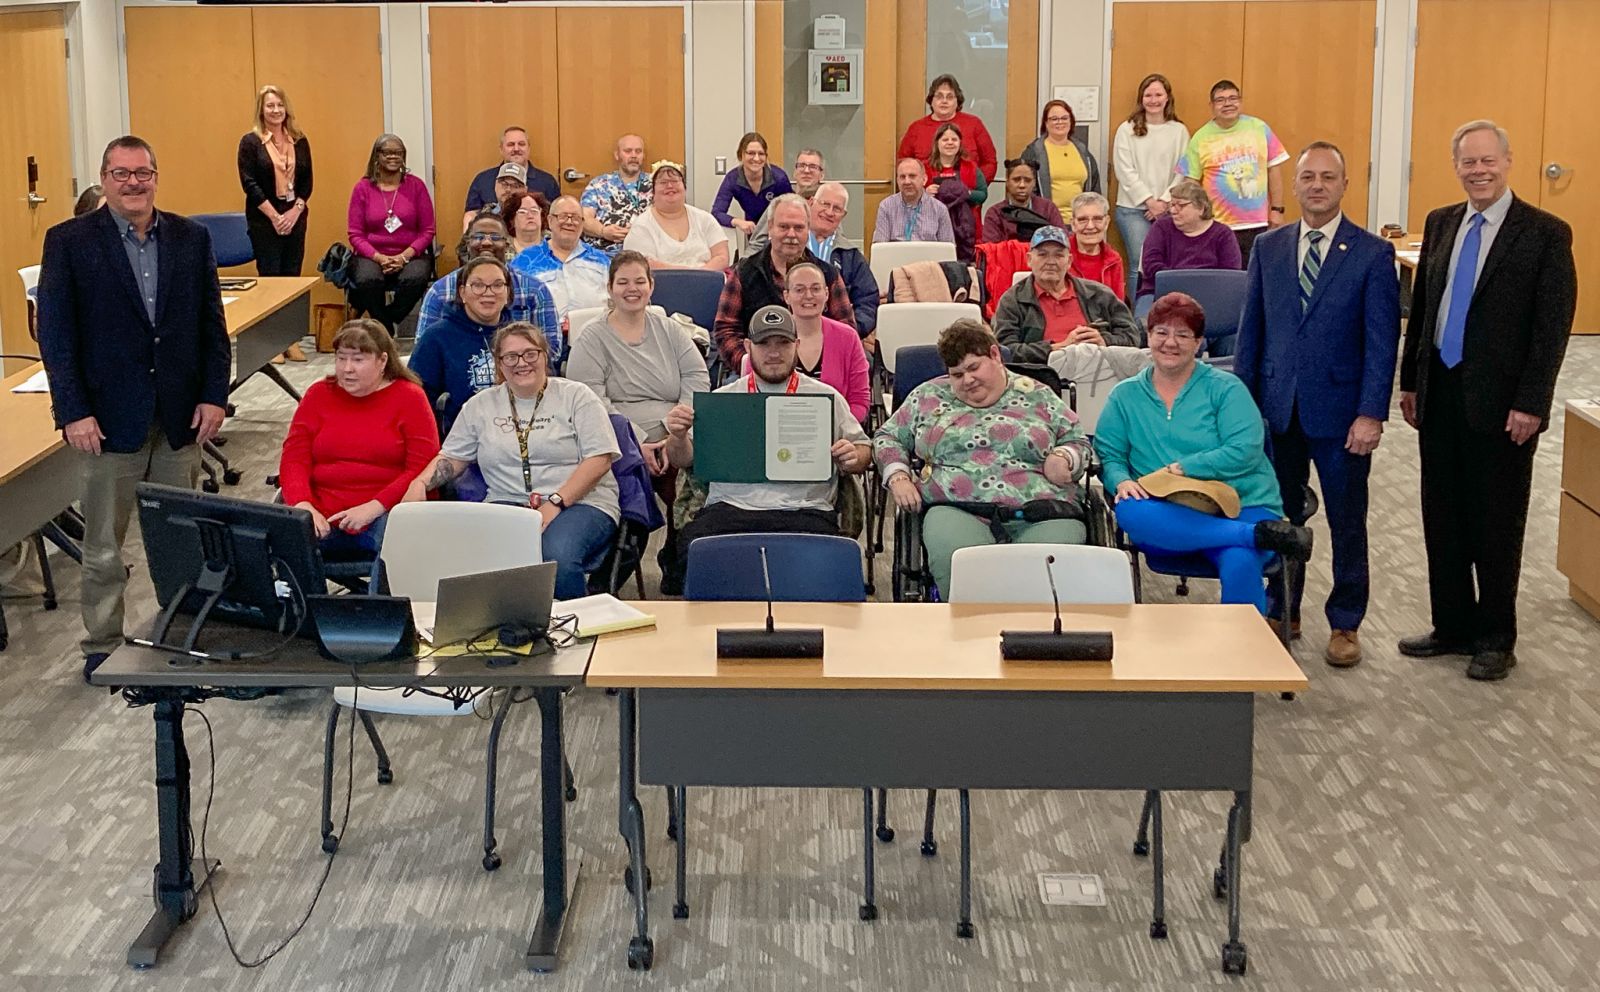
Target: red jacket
918,141
342,451
1112,275
999,262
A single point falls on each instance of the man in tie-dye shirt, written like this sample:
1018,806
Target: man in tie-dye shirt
1239,161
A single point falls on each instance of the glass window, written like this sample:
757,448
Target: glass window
837,131
967,39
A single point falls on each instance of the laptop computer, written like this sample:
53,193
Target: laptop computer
469,605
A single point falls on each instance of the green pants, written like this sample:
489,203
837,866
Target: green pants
946,529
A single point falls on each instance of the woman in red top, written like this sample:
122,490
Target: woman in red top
953,178
945,101
357,440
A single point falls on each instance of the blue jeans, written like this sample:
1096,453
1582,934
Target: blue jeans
577,541
1159,527
1134,228
339,545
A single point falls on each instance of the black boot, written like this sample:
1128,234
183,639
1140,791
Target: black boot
1285,538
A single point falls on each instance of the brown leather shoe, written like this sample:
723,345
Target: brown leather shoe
1344,649
294,353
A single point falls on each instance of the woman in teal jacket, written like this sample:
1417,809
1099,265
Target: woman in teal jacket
1198,422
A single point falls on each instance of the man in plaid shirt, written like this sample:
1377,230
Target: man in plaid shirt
757,281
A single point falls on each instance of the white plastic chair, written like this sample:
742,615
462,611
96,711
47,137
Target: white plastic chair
901,325
423,543
890,255
1015,573
1020,275
582,317
30,288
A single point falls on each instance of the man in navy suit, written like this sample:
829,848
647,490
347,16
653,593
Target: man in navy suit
1491,309
1317,346
137,351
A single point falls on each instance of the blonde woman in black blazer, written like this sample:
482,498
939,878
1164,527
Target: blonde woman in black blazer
275,171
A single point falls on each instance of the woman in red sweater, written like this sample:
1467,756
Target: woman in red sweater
945,101
357,440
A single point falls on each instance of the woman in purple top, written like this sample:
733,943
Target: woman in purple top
1185,237
754,184
391,231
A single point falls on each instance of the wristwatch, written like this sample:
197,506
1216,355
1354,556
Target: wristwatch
555,500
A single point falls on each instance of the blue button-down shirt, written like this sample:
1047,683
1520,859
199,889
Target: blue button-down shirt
142,259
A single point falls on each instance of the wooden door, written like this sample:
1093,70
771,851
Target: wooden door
1452,88
333,75
191,94
1295,54
1569,97
32,48
626,67
468,49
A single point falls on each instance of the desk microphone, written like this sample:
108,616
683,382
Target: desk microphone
1038,645
769,643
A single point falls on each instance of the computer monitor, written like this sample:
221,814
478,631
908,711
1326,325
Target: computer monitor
244,561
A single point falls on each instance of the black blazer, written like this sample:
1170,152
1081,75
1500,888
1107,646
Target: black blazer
259,179
104,357
1517,326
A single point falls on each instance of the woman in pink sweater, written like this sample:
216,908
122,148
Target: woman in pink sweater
357,440
829,351
391,228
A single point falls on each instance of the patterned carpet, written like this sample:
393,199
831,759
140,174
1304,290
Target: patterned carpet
1414,830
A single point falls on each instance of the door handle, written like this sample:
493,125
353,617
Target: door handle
1556,170
573,175
34,199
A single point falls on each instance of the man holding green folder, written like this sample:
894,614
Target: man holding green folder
763,507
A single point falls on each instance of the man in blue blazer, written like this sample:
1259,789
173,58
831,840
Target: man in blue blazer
1317,346
137,351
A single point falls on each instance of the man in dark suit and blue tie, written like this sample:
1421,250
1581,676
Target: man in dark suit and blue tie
1492,306
1317,345
137,352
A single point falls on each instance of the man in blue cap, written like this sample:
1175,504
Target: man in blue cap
1053,308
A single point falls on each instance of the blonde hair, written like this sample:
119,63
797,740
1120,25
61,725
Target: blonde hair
520,329
290,128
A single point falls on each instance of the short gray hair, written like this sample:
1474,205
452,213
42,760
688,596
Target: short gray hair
813,153
1091,200
1482,124
833,186
127,142
792,200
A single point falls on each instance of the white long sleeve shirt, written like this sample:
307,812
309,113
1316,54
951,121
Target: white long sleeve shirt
1145,166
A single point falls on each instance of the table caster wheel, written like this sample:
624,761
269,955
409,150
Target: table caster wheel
330,844
1158,930
672,830
1219,883
210,486
491,861
680,911
385,776
886,834
1234,959
627,879
641,954
966,931
572,794
929,848
1141,848
232,476
867,912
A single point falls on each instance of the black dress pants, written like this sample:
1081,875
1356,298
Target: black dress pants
1475,489
276,254
370,293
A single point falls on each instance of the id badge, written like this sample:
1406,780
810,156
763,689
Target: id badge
391,223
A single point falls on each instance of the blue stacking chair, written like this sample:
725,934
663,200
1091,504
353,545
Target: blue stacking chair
1220,293
694,292
230,239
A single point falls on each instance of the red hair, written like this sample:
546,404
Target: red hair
1178,308
1045,114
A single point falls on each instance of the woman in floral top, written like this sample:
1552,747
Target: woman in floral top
986,437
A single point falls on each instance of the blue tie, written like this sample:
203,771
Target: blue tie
1461,286
1310,269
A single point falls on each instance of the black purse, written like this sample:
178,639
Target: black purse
337,265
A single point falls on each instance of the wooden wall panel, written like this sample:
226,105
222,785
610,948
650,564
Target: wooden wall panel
769,62
467,119
1286,85
191,94
333,75
1450,90
1022,79
642,44
883,126
1575,196
911,66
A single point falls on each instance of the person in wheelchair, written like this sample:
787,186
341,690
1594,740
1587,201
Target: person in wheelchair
1002,457
1195,422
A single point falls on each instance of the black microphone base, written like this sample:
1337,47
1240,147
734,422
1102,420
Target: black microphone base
1045,645
789,642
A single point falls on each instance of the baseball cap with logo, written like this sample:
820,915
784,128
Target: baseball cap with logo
513,170
1048,233
772,321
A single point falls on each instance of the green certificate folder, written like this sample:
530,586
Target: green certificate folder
763,437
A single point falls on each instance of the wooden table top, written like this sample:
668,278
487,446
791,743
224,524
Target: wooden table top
28,432
1158,648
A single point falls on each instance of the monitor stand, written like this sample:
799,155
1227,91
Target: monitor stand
216,574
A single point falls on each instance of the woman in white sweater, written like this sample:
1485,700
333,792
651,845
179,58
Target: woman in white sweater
1145,153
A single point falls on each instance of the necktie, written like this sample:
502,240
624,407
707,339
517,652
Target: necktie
1309,268
1461,286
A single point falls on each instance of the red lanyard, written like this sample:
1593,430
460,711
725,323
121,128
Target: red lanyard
794,383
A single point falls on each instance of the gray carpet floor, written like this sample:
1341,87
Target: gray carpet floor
1414,830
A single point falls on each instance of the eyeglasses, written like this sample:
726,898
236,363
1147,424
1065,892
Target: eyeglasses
1176,334
512,359
1058,120
528,212
563,218
490,236
807,167
808,290
482,288
1226,101
123,175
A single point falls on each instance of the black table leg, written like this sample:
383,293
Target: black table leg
869,904
176,891
964,928
630,822
680,908
1158,913
1234,958
546,943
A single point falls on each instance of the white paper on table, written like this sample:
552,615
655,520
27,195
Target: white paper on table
36,383
228,299
799,436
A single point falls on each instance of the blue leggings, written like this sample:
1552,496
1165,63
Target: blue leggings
1159,527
